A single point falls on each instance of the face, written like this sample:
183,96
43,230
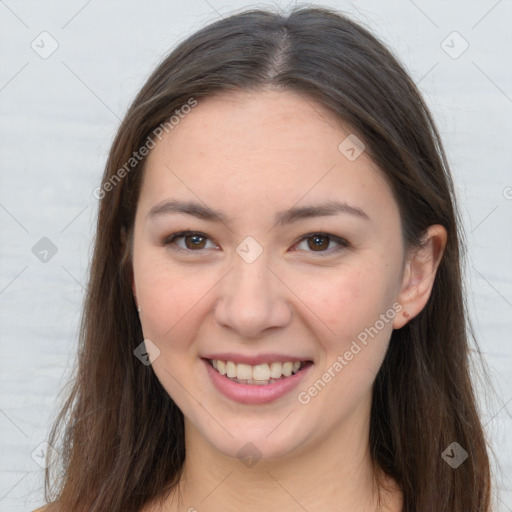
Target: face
260,242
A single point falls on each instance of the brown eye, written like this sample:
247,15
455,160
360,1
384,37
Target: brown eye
194,241
321,243
318,242
188,241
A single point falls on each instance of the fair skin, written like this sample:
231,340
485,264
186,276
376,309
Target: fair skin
249,156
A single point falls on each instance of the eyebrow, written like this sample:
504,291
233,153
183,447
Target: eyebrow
288,216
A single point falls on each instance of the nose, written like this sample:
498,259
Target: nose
252,299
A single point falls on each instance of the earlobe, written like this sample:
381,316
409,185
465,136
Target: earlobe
419,274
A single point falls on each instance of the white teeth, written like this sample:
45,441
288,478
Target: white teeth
243,371
287,369
276,370
231,369
221,367
260,372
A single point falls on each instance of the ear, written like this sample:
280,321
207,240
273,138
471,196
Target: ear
419,274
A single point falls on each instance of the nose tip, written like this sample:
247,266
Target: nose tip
252,300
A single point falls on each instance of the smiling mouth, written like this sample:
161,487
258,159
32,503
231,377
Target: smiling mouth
260,374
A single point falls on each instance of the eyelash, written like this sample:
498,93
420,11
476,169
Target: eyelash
342,243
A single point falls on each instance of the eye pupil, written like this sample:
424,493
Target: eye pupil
198,241
318,244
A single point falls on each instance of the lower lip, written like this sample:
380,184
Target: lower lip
255,394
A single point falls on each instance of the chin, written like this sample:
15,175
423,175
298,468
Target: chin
263,440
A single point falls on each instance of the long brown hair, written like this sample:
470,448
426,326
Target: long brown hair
119,435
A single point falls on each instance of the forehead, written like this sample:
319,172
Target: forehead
276,126
262,148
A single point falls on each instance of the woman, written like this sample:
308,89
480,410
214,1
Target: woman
278,224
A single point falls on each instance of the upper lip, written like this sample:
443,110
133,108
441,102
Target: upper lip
254,359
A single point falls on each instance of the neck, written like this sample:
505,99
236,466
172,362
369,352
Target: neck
314,477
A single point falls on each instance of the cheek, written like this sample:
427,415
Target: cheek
170,304
356,305
167,309
167,295
348,300
357,308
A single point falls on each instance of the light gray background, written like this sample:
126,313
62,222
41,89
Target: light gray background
58,118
